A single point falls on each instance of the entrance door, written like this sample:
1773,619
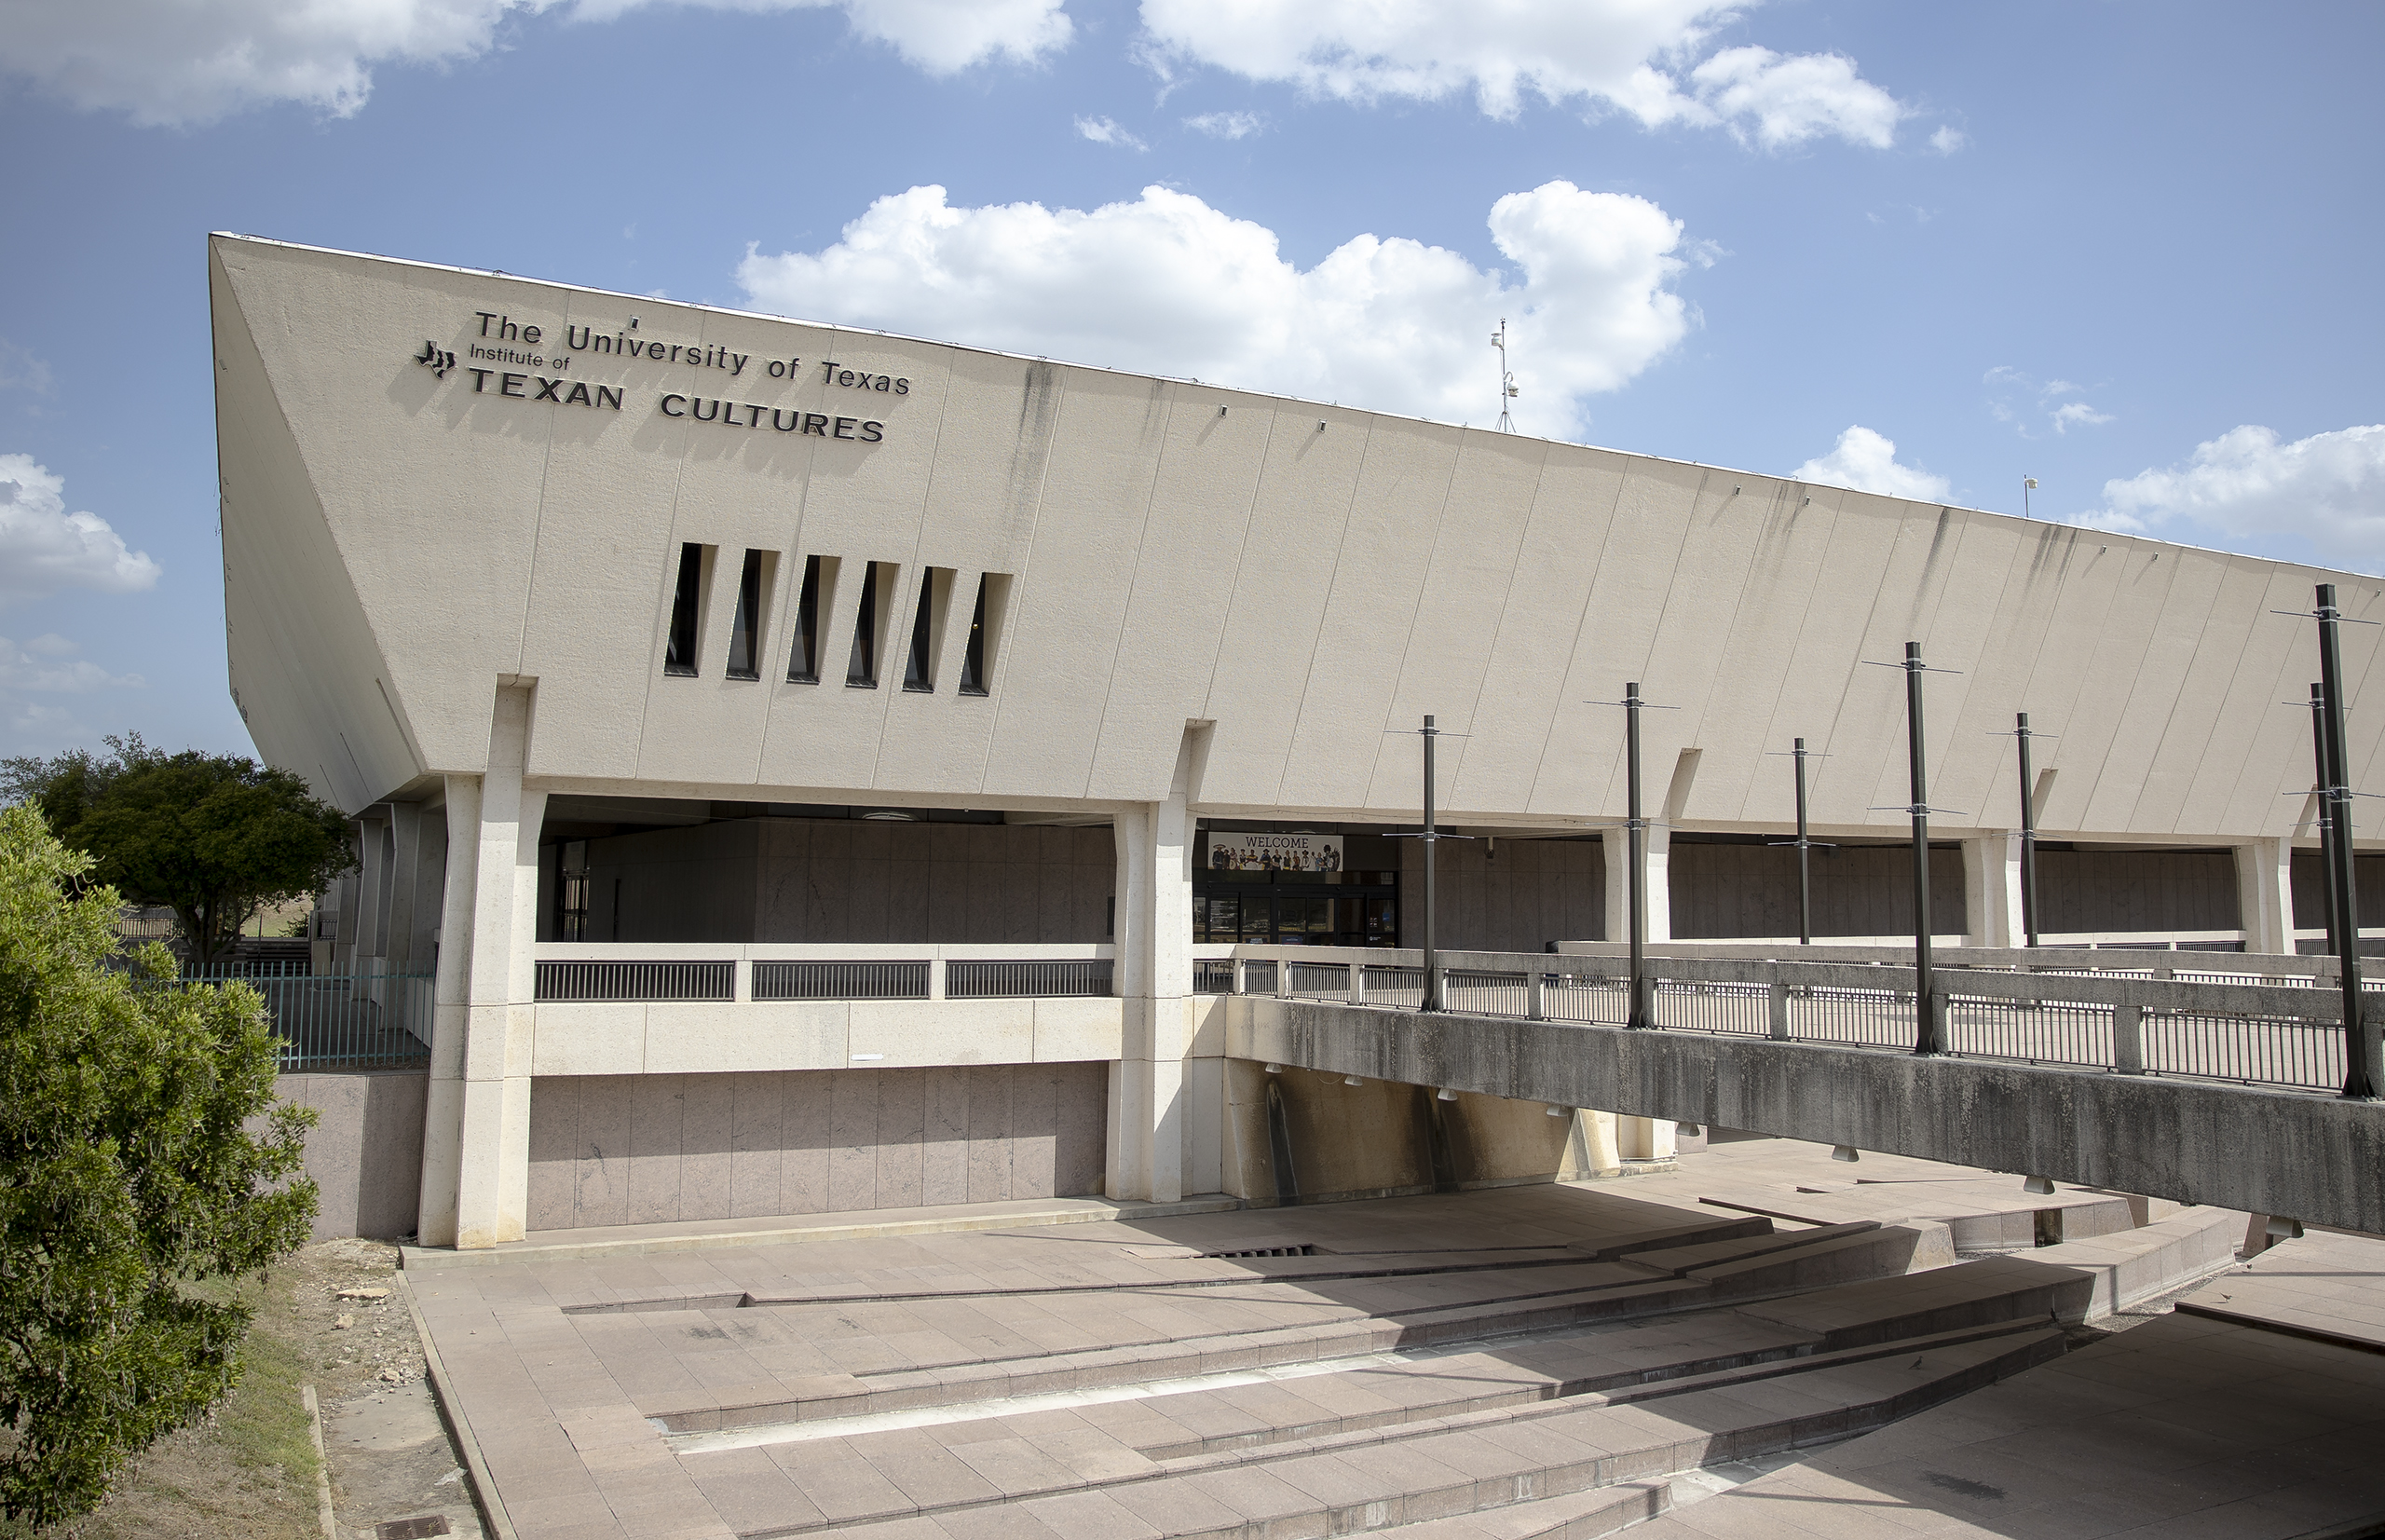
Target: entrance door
1297,914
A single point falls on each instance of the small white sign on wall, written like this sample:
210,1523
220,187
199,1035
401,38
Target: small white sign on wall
1238,852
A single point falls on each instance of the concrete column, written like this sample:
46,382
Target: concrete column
404,885
372,909
1617,848
476,1135
430,881
2265,895
1589,1147
1159,1108
1643,1139
344,900
1992,890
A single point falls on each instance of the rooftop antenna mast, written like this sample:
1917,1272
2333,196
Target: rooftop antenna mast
1507,390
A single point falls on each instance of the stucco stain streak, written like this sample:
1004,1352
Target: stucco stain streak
1921,592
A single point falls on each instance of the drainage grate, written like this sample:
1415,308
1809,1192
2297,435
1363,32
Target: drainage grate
1267,1251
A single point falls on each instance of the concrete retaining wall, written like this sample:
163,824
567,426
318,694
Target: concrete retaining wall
365,1153
650,1149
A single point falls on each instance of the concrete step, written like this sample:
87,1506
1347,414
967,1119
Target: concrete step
1884,1251
1143,1267
1973,1293
1575,1516
1737,1266
1503,1304
1350,1482
1680,1261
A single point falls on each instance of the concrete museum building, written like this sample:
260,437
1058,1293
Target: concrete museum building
830,771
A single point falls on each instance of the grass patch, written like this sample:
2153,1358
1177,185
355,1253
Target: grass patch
247,1470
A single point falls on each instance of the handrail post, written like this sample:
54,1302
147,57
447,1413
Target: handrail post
2127,1040
1637,1012
741,988
1780,1008
1283,979
1536,995
1358,983
2360,1045
936,978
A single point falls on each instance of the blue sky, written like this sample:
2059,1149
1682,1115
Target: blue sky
2127,249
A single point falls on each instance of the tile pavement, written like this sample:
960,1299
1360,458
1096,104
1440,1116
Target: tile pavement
2191,1424
560,1366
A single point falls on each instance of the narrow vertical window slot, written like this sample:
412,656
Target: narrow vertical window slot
687,618
985,623
861,668
973,652
746,633
810,605
927,629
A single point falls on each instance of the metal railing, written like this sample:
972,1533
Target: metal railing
2274,1051
340,1021
1213,975
637,981
840,981
1018,980
2207,1027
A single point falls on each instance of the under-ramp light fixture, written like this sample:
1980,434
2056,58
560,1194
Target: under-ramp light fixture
1274,1069
1445,1094
1693,1130
1560,1111
2280,1228
1351,1080
1846,1151
2042,1186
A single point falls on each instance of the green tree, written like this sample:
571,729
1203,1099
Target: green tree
142,1154
211,835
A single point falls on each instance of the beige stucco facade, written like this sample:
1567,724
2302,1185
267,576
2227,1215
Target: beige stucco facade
455,505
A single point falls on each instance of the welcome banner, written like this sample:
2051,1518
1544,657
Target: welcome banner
1282,852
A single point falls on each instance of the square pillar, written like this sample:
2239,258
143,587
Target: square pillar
1992,890
476,1135
372,910
1644,1139
1155,1091
1616,846
2265,895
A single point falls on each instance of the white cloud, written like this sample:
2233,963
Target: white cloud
2329,488
48,664
186,61
1781,102
20,370
1867,461
43,548
1609,55
1227,125
1103,130
1946,141
1168,284
2006,384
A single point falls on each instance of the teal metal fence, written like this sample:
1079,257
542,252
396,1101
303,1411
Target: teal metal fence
341,1021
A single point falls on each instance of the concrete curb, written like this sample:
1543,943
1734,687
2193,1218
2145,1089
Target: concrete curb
844,1228
323,1463
493,1518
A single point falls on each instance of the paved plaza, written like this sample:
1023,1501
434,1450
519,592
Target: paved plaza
1533,1360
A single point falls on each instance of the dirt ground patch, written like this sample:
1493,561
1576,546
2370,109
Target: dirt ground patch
250,1469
